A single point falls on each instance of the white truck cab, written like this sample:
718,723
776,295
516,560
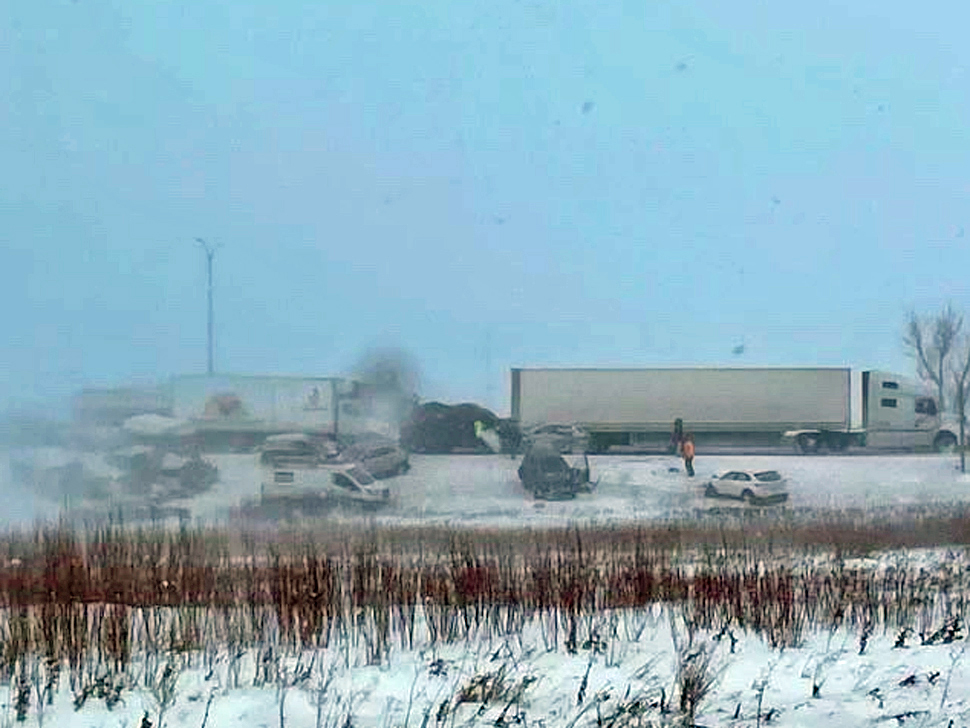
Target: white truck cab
899,413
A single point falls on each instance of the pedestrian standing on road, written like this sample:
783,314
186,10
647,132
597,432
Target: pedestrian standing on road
687,451
676,437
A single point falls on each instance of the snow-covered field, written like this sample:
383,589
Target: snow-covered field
625,676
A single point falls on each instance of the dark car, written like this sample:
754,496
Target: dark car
546,474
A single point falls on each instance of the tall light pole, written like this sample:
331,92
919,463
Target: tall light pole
210,251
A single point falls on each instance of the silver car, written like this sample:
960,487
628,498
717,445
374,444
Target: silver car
566,438
382,460
754,487
296,449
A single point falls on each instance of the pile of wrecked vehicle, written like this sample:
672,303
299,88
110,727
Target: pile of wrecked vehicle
160,476
136,482
547,475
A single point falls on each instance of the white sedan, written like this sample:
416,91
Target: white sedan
754,487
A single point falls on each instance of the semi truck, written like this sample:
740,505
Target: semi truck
812,408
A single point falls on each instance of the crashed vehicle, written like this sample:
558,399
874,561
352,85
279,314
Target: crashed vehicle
58,473
296,449
148,471
546,474
436,428
181,477
566,438
380,459
312,490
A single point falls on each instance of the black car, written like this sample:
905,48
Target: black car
545,473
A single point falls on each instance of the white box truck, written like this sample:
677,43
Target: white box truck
812,407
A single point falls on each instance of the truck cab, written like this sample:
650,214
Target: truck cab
898,414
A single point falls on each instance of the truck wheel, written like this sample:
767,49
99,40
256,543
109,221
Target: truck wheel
838,442
945,442
807,444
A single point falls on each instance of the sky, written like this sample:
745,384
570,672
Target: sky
482,185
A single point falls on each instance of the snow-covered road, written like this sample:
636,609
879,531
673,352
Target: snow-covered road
483,489
486,489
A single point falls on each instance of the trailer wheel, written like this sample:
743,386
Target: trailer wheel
945,442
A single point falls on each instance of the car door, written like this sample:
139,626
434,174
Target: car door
728,484
742,482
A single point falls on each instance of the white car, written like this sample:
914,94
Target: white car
754,487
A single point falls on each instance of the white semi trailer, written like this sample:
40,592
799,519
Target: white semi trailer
812,407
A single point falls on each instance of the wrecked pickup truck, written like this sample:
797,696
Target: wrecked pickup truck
546,474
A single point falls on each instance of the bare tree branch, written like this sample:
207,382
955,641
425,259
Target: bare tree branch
946,328
913,339
932,342
960,377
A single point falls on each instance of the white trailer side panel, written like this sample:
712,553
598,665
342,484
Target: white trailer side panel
747,399
283,401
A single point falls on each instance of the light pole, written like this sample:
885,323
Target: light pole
210,251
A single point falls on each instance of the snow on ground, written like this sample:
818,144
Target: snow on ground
633,664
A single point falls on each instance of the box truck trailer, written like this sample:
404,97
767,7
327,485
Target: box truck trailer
813,408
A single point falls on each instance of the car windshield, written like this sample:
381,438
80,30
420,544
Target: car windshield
341,480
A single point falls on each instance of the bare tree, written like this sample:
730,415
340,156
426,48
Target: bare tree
961,387
931,342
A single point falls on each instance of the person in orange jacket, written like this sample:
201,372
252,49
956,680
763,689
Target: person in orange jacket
687,452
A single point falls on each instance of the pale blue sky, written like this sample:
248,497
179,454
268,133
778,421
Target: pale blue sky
577,183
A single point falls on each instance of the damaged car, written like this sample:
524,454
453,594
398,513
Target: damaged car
380,459
546,474
297,449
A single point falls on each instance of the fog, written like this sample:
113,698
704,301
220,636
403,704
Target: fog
485,187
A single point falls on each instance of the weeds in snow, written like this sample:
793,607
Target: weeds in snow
120,607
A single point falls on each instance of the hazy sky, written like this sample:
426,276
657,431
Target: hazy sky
484,184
